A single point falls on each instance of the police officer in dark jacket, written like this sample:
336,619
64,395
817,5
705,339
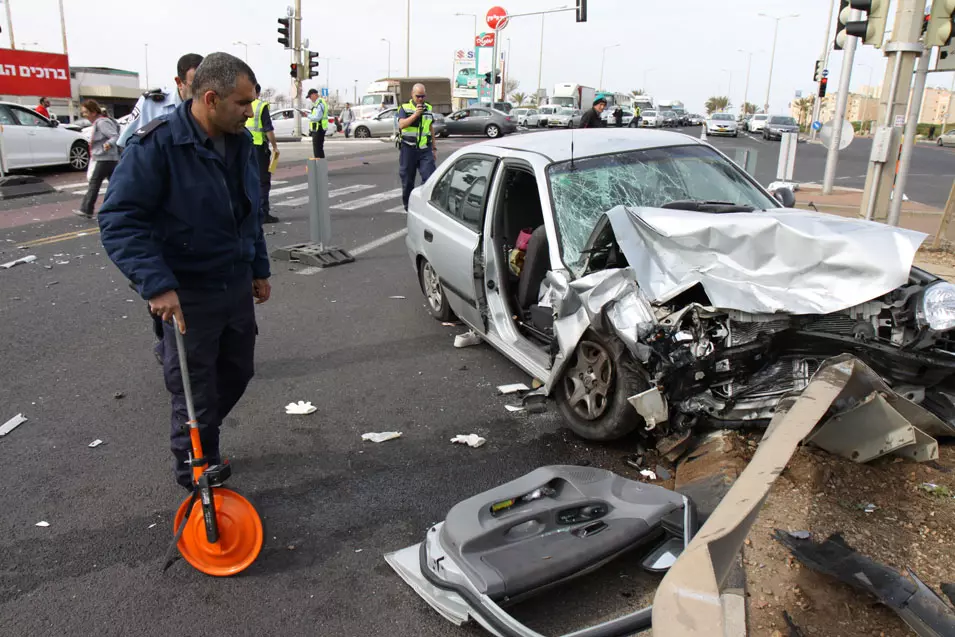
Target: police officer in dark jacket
182,221
593,118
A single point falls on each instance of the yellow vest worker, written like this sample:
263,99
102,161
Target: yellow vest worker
417,148
261,129
317,123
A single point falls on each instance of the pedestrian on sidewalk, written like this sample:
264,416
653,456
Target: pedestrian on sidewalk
593,117
317,123
347,117
418,151
103,150
43,108
181,221
260,125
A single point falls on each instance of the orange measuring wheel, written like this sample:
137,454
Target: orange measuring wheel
240,534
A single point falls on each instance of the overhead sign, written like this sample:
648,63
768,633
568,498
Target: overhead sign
34,73
484,39
496,18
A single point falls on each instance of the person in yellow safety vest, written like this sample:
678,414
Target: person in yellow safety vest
260,125
317,123
635,123
418,151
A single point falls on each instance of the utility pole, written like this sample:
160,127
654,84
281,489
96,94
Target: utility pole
297,59
749,63
540,60
908,140
772,56
408,39
6,4
903,47
67,54
817,103
842,100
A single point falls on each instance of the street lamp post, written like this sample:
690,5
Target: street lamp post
603,58
540,59
729,86
772,56
407,43
146,55
389,55
749,64
246,45
470,15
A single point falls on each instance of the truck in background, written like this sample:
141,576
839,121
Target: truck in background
623,100
677,107
645,102
394,91
573,96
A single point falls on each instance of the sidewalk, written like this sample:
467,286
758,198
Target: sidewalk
846,202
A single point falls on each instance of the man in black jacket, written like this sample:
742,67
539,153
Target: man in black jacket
592,118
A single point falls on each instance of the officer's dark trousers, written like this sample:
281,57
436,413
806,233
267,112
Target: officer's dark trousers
411,161
264,157
220,346
318,143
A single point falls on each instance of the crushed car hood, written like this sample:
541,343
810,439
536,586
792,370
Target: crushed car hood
791,261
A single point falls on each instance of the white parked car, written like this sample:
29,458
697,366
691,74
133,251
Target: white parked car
31,140
526,117
544,113
757,123
721,124
650,119
283,121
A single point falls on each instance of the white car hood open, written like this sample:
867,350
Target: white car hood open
791,261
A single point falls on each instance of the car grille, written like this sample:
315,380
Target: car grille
745,332
833,324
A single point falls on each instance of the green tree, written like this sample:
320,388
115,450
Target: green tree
637,92
519,98
717,103
804,108
749,108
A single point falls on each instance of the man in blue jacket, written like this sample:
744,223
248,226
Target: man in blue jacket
181,220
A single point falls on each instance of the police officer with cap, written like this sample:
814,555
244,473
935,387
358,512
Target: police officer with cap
317,123
418,151
182,221
158,102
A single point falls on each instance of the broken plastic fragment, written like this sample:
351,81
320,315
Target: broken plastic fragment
513,388
42,523
801,535
869,508
471,440
397,297
27,259
646,473
12,424
301,408
935,489
96,443
382,436
467,339
513,408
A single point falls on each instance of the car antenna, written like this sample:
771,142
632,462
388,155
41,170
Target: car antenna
572,167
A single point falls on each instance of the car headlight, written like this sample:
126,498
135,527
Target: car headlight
937,307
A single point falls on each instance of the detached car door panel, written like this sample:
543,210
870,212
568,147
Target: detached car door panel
458,204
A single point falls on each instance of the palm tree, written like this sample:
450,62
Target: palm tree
717,103
749,108
638,92
519,98
804,107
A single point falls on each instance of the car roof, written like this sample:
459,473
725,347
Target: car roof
555,145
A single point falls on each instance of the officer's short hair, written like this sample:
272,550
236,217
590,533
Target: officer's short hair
220,72
187,63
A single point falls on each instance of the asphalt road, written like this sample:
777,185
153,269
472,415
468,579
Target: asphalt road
74,336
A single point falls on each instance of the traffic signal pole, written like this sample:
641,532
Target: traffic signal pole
903,47
842,101
908,139
297,59
817,106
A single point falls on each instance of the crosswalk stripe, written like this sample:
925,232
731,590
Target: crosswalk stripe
347,190
285,189
397,209
370,200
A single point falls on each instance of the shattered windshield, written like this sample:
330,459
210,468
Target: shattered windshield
584,190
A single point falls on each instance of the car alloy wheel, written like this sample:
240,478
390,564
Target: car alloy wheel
492,131
79,156
362,133
433,292
590,381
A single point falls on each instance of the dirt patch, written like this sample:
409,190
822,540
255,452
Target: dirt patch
944,255
906,527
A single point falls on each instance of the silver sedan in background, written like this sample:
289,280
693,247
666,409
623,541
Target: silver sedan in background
526,117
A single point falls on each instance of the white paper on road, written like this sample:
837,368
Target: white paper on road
382,436
301,408
646,473
42,523
792,261
12,424
27,259
96,443
471,440
512,388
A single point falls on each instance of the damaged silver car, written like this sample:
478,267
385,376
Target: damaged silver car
652,285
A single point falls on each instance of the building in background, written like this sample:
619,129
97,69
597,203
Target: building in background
115,89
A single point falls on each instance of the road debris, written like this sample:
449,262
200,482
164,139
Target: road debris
96,443
396,297
662,472
42,523
467,339
450,324
119,395
513,388
383,436
646,473
868,508
301,408
801,535
514,408
30,258
917,604
151,525
936,489
62,262
794,630
471,440
12,424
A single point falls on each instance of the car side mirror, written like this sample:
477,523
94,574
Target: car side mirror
54,123
785,196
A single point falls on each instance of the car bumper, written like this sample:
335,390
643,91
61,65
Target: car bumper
721,131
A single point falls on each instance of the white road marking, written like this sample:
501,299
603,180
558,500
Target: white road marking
282,191
362,249
340,192
398,210
370,200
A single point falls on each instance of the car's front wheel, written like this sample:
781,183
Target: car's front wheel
492,131
79,156
940,141
433,292
592,394
362,132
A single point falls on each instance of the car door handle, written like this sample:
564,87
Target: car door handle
428,236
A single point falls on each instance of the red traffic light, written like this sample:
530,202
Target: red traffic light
293,70
823,84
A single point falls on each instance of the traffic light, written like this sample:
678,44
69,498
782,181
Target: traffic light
285,32
581,10
823,84
293,70
312,64
487,78
817,74
871,30
940,23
